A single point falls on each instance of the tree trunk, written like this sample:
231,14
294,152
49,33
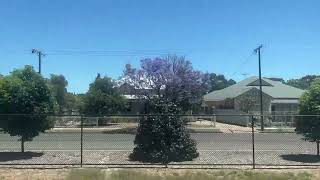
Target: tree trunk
22,144
318,147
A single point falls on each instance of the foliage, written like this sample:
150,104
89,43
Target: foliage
171,87
163,138
309,126
218,81
58,84
103,98
304,82
172,79
74,103
24,91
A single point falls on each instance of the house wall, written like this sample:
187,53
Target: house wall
233,117
253,95
225,104
285,107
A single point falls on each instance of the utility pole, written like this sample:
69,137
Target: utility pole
258,50
40,54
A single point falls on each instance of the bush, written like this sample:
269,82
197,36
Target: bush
309,126
163,138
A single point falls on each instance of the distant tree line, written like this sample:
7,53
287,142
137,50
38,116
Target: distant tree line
303,82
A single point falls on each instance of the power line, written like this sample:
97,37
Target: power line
100,52
108,51
245,61
111,52
108,54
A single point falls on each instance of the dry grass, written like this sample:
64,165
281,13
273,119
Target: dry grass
87,174
156,174
206,175
33,174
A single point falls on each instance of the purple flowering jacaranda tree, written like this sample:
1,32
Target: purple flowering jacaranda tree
170,86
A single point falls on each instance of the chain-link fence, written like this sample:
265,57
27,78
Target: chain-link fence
221,140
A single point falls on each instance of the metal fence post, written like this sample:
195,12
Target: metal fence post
81,143
253,145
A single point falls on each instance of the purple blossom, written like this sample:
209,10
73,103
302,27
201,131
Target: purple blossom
172,79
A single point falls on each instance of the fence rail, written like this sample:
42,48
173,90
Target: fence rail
108,140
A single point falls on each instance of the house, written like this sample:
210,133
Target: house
135,104
244,97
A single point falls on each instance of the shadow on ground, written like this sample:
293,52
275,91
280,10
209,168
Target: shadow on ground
11,156
303,158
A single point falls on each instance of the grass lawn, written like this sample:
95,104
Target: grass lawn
157,174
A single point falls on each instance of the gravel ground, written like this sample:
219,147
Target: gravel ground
121,157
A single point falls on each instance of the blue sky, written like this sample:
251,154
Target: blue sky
216,35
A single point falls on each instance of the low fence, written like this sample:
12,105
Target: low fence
109,140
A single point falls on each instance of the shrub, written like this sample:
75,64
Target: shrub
163,138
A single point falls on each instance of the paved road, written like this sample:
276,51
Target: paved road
289,142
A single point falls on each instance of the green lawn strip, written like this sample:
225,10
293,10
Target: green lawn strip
96,174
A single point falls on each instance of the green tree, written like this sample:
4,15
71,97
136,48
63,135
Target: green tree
24,91
58,85
218,81
103,98
74,102
304,82
309,126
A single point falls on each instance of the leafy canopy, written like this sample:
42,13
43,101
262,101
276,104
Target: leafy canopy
58,84
24,91
103,98
171,79
304,82
218,81
310,105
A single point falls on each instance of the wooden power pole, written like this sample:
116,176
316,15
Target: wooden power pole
258,51
40,54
